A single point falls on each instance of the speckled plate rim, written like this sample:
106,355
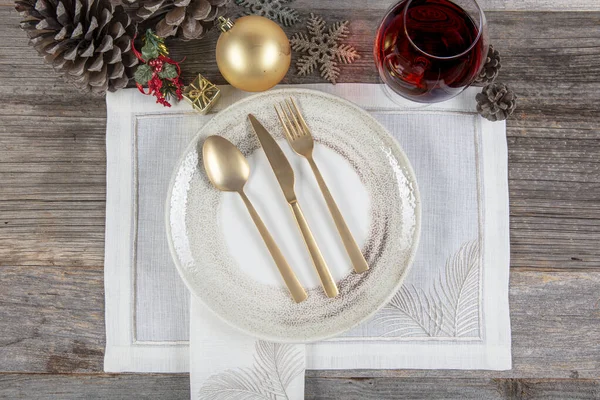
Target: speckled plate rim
410,257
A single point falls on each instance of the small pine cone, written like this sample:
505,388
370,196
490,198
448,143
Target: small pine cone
496,102
87,41
187,19
491,68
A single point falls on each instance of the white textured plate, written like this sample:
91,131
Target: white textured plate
221,257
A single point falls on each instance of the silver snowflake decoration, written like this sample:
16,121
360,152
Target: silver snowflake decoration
272,9
323,48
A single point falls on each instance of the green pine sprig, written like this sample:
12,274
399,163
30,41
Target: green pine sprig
169,89
154,46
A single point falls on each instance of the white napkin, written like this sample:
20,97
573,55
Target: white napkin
460,161
225,362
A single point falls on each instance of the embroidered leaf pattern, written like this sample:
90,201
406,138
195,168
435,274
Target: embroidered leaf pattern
411,312
233,385
449,309
461,290
275,367
323,48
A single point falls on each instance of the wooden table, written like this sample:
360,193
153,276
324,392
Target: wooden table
52,208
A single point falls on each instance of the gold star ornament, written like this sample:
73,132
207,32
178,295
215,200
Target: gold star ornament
201,94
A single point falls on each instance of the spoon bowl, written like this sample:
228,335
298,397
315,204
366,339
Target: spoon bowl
225,165
228,170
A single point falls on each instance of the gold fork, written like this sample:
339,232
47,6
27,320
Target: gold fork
300,138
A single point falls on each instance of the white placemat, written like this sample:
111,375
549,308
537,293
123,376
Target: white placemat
451,313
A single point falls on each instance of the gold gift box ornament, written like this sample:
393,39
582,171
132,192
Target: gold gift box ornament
201,94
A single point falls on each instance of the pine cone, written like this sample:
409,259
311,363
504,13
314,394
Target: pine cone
188,19
87,41
491,68
496,102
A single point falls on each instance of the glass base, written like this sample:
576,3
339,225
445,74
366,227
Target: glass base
404,103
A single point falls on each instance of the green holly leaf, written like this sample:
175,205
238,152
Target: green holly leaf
143,74
149,51
169,71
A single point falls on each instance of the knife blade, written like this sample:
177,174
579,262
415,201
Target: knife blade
285,176
279,162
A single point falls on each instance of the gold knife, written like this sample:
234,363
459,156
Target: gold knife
285,176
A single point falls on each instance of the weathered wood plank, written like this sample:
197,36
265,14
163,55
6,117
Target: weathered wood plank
543,308
560,45
53,322
52,319
56,154
555,330
488,5
176,387
95,387
52,166
446,389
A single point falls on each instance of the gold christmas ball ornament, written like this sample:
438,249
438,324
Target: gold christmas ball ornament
253,54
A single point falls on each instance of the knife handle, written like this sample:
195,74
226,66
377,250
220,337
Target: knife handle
287,273
315,254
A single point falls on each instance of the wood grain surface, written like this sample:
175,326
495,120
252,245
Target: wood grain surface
176,387
52,192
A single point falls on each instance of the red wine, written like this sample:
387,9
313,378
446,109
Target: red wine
429,56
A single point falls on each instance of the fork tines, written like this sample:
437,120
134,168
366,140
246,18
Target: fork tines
291,119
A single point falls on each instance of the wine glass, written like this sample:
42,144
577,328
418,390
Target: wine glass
431,50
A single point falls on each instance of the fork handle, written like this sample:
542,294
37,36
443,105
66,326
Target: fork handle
315,254
287,273
356,257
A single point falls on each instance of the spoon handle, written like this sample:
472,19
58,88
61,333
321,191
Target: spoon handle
296,290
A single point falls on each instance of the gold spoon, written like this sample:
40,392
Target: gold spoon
228,170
